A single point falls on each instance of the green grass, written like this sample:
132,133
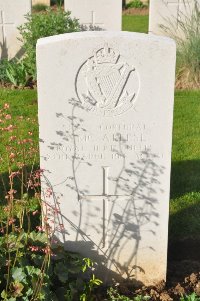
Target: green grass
22,103
185,175
185,179
186,144
39,7
135,23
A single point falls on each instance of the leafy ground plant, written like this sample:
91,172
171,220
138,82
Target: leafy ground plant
39,7
135,4
113,295
16,73
192,297
3,67
33,265
44,24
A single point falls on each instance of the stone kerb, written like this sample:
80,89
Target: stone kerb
105,115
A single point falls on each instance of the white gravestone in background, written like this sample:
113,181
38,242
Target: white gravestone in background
165,15
12,16
45,2
97,14
105,115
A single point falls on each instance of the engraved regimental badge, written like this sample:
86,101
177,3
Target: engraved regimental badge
106,84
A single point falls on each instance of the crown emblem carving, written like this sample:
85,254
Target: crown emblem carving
106,55
105,77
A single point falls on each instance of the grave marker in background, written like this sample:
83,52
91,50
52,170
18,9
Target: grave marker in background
165,15
95,14
12,14
105,117
46,2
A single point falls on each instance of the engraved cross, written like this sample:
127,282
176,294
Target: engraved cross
93,22
105,196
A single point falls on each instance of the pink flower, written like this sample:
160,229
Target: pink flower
6,209
34,248
8,116
14,174
40,229
9,128
6,106
12,138
12,191
11,221
49,192
47,250
12,156
62,227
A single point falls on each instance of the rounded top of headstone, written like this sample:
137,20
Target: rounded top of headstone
106,35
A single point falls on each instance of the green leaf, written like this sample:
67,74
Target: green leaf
18,274
31,270
61,271
38,237
28,293
16,289
83,297
4,294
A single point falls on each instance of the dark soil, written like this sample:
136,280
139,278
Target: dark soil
30,85
136,11
183,275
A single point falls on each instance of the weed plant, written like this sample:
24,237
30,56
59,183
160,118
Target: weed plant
188,45
114,295
192,297
188,50
21,73
41,25
39,7
3,74
33,264
135,4
16,73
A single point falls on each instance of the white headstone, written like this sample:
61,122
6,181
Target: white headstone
45,2
165,16
95,14
105,115
11,17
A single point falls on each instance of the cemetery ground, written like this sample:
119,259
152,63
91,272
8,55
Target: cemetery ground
19,150
135,20
138,23
184,226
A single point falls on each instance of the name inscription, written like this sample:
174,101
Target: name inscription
112,142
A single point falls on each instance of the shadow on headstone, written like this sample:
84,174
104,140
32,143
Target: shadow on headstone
132,205
91,28
4,49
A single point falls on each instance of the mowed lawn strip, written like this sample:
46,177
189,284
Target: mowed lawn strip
185,174
135,23
185,178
